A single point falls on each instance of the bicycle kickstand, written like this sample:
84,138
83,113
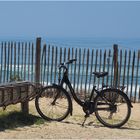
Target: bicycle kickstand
85,118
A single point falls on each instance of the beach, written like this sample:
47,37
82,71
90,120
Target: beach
71,128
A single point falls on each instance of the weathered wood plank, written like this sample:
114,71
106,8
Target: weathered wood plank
38,54
112,69
1,62
108,67
25,55
5,59
32,63
15,59
78,79
48,65
75,70
132,78
22,61
52,60
29,46
124,70
91,67
87,65
100,63
115,57
56,52
18,59
137,72
128,71
8,56
120,69
95,65
82,70
43,64
72,56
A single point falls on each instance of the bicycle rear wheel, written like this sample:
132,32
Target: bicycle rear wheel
112,109
53,104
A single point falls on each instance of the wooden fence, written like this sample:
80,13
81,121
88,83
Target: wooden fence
33,61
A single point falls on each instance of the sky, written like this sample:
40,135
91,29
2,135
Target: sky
70,19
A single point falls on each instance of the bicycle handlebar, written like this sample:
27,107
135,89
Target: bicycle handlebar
63,65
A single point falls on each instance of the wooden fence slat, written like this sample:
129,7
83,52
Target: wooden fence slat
108,66
96,59
37,60
15,59
112,66
104,65
5,58
78,79
8,61
11,60
124,70
75,69
25,55
133,64
115,60
32,62
60,61
55,64
120,69
72,55
29,46
22,60
91,67
137,71
1,62
18,59
128,70
48,64
82,69
87,65
100,62
52,64
43,64
68,57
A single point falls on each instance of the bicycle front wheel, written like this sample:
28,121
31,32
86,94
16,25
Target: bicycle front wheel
112,108
53,104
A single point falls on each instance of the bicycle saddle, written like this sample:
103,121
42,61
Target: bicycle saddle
100,74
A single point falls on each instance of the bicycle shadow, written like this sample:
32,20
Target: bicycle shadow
96,125
85,125
18,119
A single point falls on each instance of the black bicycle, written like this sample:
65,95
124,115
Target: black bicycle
112,106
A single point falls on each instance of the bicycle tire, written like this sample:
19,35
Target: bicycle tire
105,112
61,97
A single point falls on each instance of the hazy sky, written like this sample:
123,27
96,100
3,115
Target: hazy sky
70,19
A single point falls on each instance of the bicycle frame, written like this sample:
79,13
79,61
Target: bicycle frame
65,79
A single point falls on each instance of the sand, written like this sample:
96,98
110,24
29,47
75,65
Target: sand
71,128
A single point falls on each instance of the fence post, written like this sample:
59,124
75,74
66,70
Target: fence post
37,65
115,57
25,105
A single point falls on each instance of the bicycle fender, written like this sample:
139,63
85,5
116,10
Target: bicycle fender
129,102
60,87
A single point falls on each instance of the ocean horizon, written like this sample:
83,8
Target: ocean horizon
82,42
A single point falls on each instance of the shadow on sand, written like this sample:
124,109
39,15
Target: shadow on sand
97,125
18,119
